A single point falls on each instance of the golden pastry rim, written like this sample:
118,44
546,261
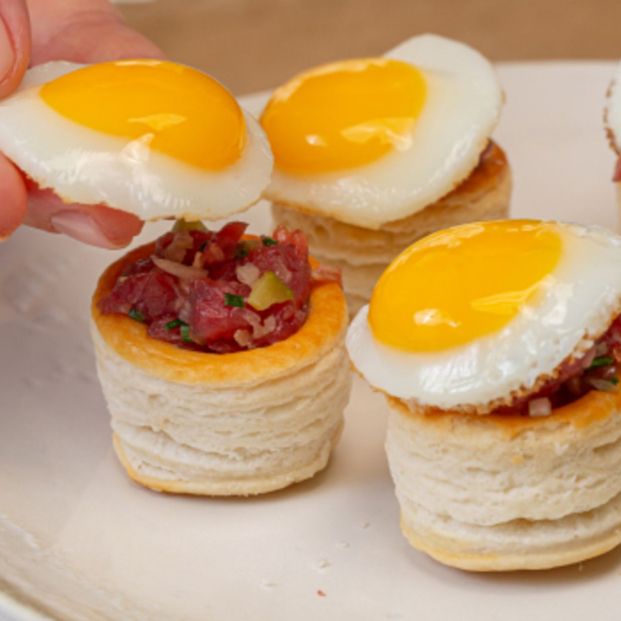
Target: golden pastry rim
323,328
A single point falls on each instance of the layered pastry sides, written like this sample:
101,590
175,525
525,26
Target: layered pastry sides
504,436
373,154
362,254
244,422
486,494
221,357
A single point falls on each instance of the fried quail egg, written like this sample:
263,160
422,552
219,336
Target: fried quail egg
150,137
373,140
473,314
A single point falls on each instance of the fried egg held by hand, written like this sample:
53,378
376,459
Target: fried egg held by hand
371,141
150,137
467,316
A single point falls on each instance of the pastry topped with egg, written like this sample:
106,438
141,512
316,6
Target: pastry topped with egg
374,153
149,137
221,356
498,346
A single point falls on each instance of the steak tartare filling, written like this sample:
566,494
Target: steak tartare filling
219,291
597,369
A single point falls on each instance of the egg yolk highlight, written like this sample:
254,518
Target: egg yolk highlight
458,285
344,115
170,108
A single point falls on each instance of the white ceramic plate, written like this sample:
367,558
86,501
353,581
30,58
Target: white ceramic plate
79,541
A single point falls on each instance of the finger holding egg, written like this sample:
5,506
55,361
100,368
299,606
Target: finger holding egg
36,33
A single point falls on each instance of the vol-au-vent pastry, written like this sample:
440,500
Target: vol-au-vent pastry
372,154
498,347
221,358
222,361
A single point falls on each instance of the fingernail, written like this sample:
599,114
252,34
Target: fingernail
82,227
7,53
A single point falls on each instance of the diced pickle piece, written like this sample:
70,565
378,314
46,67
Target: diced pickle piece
268,290
184,225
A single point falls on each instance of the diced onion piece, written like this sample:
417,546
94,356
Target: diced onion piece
198,261
540,407
175,251
178,269
588,357
184,225
269,325
602,384
259,328
268,290
242,338
247,274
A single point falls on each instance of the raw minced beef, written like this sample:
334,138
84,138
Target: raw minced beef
596,369
219,291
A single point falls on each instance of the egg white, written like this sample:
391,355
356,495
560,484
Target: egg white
574,305
462,107
87,166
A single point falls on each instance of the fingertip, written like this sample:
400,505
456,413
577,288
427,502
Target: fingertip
85,31
96,225
14,198
118,226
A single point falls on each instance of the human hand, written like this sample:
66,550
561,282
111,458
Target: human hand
80,31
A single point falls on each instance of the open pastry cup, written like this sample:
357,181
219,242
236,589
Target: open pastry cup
223,424
502,492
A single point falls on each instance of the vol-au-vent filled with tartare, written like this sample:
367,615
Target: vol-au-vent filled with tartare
222,360
497,345
220,354
372,154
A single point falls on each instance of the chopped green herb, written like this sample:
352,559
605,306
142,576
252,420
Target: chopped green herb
184,225
601,361
268,241
184,330
233,300
175,323
136,315
614,380
242,250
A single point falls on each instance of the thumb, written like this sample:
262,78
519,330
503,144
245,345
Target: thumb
14,58
14,44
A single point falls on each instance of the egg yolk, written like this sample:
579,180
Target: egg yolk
458,285
170,108
344,115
